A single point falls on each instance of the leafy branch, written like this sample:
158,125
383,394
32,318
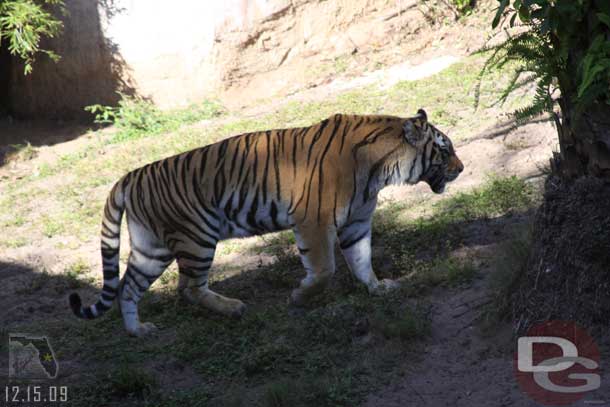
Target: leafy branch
24,23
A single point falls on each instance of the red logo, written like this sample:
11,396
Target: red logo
557,363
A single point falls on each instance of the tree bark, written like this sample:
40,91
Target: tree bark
584,141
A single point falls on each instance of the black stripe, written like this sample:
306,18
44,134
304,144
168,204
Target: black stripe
320,170
352,242
109,274
101,307
303,251
273,216
109,289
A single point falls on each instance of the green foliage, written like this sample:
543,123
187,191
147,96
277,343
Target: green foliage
497,196
128,381
24,23
509,265
561,45
463,6
136,117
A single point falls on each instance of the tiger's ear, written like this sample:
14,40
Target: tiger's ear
415,129
422,116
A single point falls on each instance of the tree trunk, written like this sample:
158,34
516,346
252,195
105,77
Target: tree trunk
584,142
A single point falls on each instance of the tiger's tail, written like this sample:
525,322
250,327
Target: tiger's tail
110,244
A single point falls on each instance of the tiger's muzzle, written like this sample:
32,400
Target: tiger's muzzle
439,177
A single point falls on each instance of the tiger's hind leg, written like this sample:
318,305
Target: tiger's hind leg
147,261
194,263
316,248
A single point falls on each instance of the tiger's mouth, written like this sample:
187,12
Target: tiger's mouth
439,179
451,176
439,187
436,180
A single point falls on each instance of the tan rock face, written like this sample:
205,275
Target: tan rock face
180,52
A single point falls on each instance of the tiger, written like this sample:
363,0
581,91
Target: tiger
321,181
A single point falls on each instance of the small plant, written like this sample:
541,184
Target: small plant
405,324
498,195
136,117
457,272
37,283
78,268
24,152
74,274
50,227
128,381
280,394
463,6
168,277
103,114
509,266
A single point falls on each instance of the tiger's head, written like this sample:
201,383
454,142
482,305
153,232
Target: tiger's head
440,164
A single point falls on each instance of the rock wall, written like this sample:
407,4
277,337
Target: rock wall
178,52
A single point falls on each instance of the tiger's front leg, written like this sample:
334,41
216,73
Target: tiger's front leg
316,248
355,243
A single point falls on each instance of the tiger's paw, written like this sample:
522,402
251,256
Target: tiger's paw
143,330
385,286
239,308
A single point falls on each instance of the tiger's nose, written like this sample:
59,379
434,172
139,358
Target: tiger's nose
457,164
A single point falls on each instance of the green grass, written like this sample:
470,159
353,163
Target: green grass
128,381
508,265
135,117
419,248
321,347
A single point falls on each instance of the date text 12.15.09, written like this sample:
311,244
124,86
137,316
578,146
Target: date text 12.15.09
35,394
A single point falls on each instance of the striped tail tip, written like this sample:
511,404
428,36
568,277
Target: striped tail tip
90,312
76,305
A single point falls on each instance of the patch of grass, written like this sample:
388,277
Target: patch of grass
24,152
169,277
331,389
508,266
280,393
129,381
34,285
435,235
404,324
75,272
14,242
228,247
50,226
192,397
135,117
497,196
341,63
275,244
18,220
457,271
